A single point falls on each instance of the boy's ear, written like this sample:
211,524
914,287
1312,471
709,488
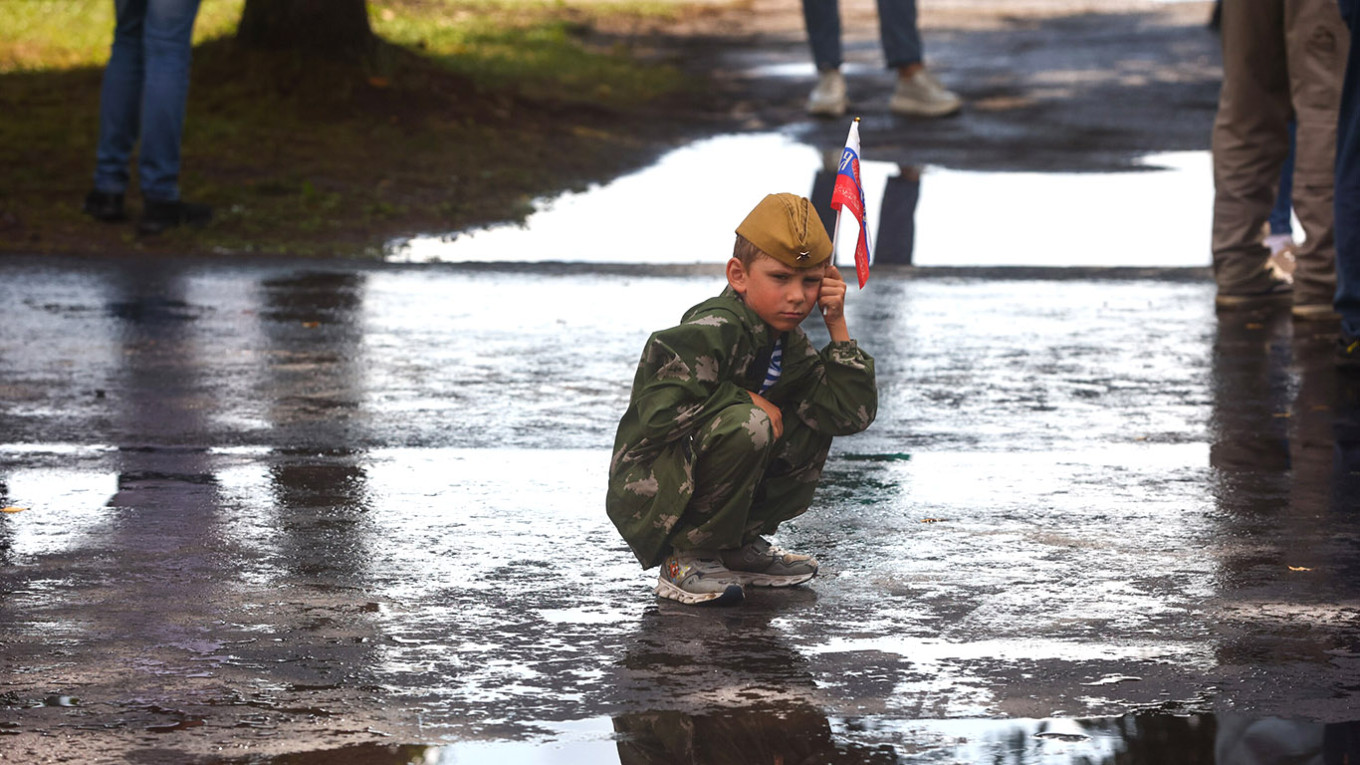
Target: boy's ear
736,275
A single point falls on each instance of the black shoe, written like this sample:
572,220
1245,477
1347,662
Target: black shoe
1277,292
158,216
104,206
1348,352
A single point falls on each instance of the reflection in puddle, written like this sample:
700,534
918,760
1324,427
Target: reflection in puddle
61,507
741,736
692,197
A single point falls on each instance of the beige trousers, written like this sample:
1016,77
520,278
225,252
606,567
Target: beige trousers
1281,59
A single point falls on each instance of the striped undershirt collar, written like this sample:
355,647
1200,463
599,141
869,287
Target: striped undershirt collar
776,366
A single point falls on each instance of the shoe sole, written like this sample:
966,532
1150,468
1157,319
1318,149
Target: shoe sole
730,596
1252,301
748,579
1315,313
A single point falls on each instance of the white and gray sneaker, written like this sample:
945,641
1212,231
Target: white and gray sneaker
760,564
828,99
921,95
697,578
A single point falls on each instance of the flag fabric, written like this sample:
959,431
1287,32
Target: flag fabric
849,194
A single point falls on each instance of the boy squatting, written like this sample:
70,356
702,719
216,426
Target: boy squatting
732,414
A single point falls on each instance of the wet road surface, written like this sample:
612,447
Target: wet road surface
272,510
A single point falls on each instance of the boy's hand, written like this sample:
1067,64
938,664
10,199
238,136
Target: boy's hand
776,416
832,303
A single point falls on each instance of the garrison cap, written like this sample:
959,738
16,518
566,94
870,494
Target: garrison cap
785,227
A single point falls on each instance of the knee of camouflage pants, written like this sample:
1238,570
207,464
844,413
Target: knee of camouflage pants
731,453
790,480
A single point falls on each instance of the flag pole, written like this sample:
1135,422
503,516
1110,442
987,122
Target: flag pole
836,230
835,235
849,192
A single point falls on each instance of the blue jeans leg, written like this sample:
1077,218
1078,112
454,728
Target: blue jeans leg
1347,189
1280,214
120,99
901,38
823,20
146,86
168,44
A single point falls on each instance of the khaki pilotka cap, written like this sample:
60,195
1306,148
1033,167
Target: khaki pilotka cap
785,227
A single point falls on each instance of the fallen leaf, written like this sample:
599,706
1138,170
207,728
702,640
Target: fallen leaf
311,324
931,520
379,82
12,509
1299,568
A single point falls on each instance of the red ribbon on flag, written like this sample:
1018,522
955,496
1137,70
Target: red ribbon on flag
848,194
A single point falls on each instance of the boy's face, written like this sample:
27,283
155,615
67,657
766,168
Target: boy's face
781,295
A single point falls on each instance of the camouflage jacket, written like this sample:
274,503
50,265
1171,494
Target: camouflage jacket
689,373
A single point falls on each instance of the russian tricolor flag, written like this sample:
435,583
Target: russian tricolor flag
849,194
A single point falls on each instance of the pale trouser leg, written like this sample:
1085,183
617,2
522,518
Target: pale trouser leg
1317,43
1250,141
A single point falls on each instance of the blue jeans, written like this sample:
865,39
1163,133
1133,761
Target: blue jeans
896,24
1347,194
146,84
1281,213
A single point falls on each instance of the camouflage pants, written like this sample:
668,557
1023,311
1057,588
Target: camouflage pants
745,481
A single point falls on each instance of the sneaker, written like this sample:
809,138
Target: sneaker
761,564
1348,352
922,95
104,206
1315,312
158,216
698,578
1281,290
828,99
1282,262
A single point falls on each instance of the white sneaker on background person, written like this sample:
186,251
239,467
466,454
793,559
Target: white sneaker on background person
828,98
919,94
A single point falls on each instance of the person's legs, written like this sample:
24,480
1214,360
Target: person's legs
901,38
168,44
1317,43
917,93
1347,199
823,20
120,99
1250,142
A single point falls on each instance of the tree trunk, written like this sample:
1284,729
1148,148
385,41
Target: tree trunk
337,28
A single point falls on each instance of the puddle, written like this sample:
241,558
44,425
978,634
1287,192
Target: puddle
691,199
62,508
800,735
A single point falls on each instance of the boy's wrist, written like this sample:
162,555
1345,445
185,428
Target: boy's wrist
839,332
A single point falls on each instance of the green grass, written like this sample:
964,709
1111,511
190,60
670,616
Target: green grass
535,46
465,112
63,34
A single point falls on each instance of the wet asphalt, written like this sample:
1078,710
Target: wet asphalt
276,510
